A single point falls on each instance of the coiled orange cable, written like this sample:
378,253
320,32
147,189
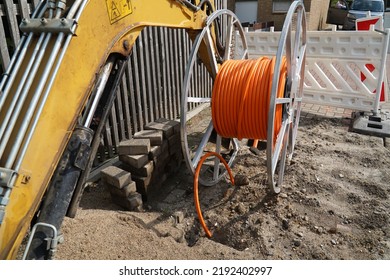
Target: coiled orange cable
240,105
241,97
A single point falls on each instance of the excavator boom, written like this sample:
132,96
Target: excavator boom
45,97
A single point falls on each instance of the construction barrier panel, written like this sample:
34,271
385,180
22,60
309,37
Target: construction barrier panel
336,66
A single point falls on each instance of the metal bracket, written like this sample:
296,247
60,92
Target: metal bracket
6,184
6,176
52,243
45,25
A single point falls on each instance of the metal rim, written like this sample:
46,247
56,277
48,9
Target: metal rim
294,47
204,38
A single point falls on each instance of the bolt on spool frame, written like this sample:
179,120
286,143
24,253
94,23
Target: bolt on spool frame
294,48
217,56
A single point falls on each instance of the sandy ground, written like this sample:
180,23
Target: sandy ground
334,205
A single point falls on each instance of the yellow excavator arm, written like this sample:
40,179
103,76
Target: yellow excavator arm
44,97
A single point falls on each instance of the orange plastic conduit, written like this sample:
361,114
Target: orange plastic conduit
241,97
240,105
196,193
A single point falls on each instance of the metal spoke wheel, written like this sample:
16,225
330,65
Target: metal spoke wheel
213,45
281,144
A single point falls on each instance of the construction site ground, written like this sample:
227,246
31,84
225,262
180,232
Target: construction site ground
334,205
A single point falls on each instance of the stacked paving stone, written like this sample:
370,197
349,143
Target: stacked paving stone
148,159
122,188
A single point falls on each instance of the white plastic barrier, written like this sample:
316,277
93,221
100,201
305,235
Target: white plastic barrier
343,68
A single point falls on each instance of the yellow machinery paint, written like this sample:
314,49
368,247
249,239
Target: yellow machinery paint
105,27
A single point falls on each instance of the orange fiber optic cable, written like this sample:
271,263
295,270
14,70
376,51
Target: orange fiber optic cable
196,193
241,97
240,105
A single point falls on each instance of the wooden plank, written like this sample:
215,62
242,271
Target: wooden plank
35,3
204,83
209,85
137,89
132,96
196,78
221,4
172,78
148,78
160,67
180,70
202,79
191,89
101,150
24,10
119,114
4,54
169,74
12,21
154,71
114,127
108,139
201,85
159,71
186,53
143,89
193,92
178,77
125,93
171,71
2,12
164,72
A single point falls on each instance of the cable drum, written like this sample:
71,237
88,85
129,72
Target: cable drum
241,96
257,99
